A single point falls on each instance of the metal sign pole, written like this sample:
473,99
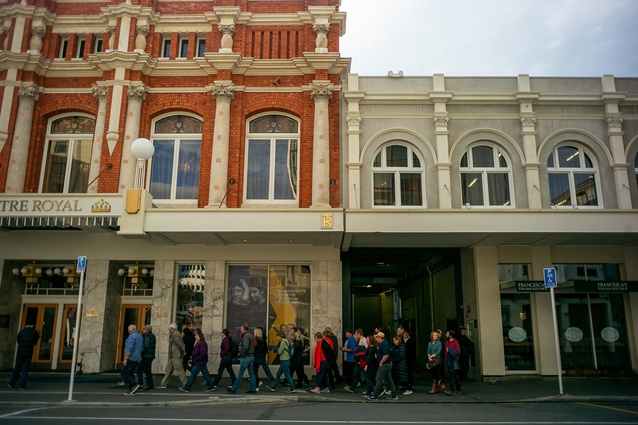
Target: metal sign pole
557,342
81,266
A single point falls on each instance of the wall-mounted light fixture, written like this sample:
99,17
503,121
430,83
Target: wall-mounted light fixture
31,272
136,273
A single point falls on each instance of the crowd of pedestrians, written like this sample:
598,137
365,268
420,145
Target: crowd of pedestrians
375,364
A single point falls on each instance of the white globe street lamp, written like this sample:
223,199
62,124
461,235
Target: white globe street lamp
143,150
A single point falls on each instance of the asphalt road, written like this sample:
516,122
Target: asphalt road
381,412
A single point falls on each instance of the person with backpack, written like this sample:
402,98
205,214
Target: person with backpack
226,354
200,359
452,355
284,352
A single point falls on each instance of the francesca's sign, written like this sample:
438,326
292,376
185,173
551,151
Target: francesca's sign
531,286
44,205
578,286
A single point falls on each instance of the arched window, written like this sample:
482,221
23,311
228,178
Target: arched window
573,177
67,155
486,177
176,161
397,177
272,160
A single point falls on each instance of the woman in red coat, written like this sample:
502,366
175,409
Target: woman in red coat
320,363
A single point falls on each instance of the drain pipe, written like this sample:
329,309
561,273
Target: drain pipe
431,297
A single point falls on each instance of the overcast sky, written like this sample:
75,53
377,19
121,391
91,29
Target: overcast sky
578,38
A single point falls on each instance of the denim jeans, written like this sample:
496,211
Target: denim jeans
227,364
246,362
128,373
195,369
321,375
263,363
370,376
21,370
284,367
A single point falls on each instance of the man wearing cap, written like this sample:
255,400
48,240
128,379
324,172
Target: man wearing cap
27,338
385,369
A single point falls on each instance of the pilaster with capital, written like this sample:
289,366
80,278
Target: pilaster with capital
615,134
227,38
16,174
441,133
101,93
321,42
136,95
532,176
223,93
321,93
35,44
140,38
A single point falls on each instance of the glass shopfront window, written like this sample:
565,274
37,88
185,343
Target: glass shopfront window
516,313
592,325
190,295
271,297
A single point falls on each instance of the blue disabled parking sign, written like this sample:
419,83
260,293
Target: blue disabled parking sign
549,277
81,264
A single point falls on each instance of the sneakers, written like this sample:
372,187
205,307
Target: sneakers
10,385
365,393
184,390
129,393
260,384
371,397
407,392
315,391
230,390
135,388
347,388
270,388
448,392
289,391
457,392
210,390
161,386
383,391
392,397
325,390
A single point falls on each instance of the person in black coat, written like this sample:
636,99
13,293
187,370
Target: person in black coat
331,359
189,343
410,356
399,363
27,339
467,350
148,355
372,365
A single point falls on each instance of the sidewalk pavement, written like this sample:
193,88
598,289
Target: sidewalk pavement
52,389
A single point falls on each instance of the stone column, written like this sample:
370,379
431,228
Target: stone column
443,159
321,93
227,38
321,42
35,44
101,92
525,98
28,95
223,92
136,95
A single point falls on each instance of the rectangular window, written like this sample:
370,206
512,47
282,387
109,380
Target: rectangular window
516,317
66,173
98,45
271,172
384,189
559,191
64,44
190,295
270,297
472,188
81,46
175,169
499,189
166,48
183,48
201,47
411,189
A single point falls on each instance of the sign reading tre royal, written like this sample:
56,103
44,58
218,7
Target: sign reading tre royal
42,205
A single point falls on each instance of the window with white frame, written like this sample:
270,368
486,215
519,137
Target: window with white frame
67,155
573,177
201,47
486,177
272,160
183,47
81,46
397,177
98,45
64,44
166,47
175,165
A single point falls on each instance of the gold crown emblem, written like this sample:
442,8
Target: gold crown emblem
101,206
